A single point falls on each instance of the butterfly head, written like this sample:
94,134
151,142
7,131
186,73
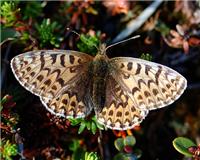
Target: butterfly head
101,55
102,49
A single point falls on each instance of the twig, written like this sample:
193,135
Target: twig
100,144
133,25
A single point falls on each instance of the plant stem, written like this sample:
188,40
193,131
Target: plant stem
100,144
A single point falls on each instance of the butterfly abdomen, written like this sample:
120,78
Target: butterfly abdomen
99,72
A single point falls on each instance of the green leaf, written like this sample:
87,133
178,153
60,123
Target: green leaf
93,127
181,144
4,100
74,121
119,144
78,154
146,56
91,156
74,145
162,28
9,150
88,125
82,127
9,13
129,141
125,156
33,9
88,44
100,126
90,41
46,32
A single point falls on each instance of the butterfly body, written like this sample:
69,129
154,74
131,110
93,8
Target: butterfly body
120,90
100,70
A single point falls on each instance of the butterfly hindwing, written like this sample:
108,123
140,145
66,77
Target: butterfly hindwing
120,111
75,100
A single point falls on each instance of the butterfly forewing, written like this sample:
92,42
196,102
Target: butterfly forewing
51,75
151,85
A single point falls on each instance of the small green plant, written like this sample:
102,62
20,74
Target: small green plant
46,33
9,13
88,44
91,156
162,28
125,148
8,124
32,9
8,118
7,150
79,151
91,124
186,147
146,56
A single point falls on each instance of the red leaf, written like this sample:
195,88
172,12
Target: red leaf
128,149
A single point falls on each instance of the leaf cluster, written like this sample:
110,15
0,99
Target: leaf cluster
146,56
9,13
46,33
80,153
8,124
125,148
33,9
8,150
8,118
24,25
91,124
88,44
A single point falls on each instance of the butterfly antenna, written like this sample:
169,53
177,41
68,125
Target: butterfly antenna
134,37
73,31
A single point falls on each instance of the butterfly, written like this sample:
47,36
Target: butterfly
121,91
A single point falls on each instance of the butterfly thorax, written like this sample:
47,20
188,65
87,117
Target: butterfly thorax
99,67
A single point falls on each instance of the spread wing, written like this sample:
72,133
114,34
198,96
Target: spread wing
74,101
136,86
53,75
120,111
